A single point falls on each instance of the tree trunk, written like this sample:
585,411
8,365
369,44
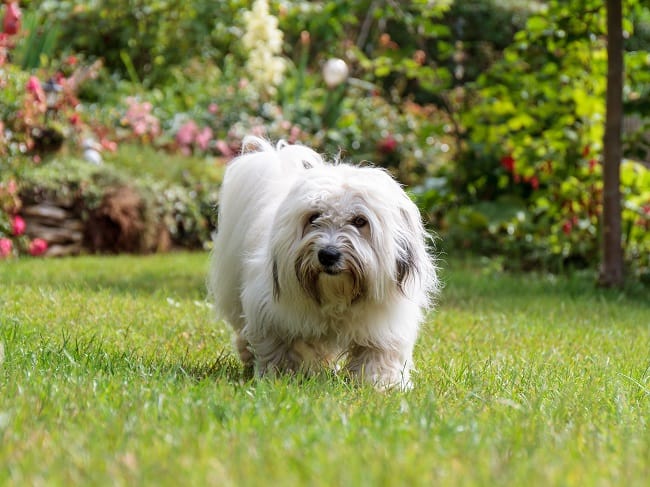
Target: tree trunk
611,271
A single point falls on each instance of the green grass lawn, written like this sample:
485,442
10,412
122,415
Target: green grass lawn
113,372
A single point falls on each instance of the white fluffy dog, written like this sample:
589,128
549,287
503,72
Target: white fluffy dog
317,262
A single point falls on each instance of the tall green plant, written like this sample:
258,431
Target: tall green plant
38,42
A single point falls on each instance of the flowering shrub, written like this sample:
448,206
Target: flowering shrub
13,240
139,121
40,111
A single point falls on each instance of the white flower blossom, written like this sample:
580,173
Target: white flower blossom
263,40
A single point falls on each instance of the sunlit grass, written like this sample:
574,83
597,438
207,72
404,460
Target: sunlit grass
113,372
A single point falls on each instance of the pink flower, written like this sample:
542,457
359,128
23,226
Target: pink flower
34,87
34,84
224,148
37,247
203,138
6,246
258,130
294,134
213,108
17,226
187,132
140,118
108,144
11,23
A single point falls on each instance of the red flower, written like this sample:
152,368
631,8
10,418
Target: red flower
508,162
566,227
74,119
11,23
59,78
17,226
585,151
592,164
534,182
387,145
186,133
6,246
37,247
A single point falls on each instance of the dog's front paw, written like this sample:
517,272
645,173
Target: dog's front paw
298,356
384,369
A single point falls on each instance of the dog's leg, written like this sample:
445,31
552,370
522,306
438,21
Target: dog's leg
384,369
312,356
245,353
273,355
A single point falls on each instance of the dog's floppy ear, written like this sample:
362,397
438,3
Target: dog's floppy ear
276,281
405,262
406,251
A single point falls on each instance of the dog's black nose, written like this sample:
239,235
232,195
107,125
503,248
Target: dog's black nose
329,256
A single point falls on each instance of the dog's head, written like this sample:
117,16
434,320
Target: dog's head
345,234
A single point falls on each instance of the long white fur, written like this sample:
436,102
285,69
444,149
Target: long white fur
266,279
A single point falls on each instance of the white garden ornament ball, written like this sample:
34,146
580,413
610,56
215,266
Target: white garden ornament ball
335,72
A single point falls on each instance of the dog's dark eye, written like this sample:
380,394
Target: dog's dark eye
359,221
314,217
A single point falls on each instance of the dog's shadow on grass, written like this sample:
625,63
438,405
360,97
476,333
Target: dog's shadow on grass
95,356
224,368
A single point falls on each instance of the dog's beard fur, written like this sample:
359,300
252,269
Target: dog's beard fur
327,257
342,284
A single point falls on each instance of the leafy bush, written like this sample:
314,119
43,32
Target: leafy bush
528,182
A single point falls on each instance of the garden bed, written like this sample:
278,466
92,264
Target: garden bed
79,208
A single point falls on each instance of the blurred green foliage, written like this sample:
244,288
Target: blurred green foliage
492,111
527,180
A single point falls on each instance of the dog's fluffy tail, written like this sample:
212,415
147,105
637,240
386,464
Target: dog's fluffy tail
294,155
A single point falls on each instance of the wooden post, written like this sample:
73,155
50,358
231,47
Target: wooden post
611,271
